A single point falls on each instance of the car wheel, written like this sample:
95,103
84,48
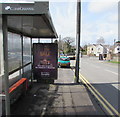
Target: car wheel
58,65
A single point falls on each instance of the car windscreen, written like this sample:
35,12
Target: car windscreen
64,59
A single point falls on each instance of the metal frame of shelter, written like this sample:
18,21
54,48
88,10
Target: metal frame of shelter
32,20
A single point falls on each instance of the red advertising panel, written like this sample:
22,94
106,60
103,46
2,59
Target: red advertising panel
45,60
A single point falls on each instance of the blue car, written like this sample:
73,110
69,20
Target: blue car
63,62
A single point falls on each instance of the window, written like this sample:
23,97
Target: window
1,55
14,51
26,50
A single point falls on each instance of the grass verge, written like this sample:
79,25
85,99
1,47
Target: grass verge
118,62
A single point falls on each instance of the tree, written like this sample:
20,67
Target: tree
101,40
84,49
68,40
67,46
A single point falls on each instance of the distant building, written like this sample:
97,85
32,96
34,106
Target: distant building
91,50
116,51
117,47
96,49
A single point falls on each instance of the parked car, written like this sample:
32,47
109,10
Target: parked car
64,62
72,57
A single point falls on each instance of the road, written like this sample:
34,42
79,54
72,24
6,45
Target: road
104,77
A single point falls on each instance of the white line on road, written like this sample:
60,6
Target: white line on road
108,64
95,66
116,86
111,72
92,65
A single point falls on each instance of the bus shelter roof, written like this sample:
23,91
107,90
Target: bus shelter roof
29,19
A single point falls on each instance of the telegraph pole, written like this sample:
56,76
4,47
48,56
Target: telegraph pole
59,41
78,41
114,42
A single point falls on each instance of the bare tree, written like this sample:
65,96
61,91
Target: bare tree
101,40
67,47
69,40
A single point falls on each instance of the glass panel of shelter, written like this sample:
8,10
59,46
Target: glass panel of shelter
17,69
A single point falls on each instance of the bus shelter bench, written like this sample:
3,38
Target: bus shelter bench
18,89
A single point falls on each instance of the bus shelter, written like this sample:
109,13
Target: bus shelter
21,23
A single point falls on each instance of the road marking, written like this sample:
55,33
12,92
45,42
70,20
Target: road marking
92,65
108,110
111,65
99,97
95,66
116,86
96,92
105,63
111,71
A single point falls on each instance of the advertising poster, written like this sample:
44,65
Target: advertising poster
45,60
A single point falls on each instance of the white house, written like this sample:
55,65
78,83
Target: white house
117,49
97,49
101,49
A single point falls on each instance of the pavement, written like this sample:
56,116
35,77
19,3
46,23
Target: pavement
64,97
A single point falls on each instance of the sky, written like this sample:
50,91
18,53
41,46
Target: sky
98,19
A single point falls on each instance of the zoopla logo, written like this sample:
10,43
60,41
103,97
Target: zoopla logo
19,8
7,8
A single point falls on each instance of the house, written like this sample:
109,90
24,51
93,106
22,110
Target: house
91,50
116,52
102,49
97,49
117,48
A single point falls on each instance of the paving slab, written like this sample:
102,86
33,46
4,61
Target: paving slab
61,98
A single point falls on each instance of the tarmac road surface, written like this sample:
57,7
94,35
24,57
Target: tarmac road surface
104,77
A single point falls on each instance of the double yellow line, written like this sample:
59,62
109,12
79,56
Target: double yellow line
109,108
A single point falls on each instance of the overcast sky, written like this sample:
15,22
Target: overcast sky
98,19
